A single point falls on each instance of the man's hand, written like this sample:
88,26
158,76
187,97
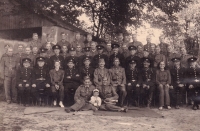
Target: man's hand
107,100
47,85
180,85
167,85
57,87
20,85
122,85
68,77
78,101
144,85
137,85
27,85
171,87
191,86
34,85
129,84
160,85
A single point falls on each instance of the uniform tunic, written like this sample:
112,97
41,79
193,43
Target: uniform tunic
9,65
99,74
36,43
87,71
117,76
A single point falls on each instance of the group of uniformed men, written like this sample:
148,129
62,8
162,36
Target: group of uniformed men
121,70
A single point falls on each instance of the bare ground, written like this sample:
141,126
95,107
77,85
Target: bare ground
13,119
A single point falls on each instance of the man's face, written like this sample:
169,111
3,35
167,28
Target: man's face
120,37
70,65
100,51
153,47
93,46
20,48
35,50
89,38
63,36
40,63
105,81
193,64
26,64
183,51
87,82
115,50
169,49
10,51
57,65
116,62
72,53
102,63
44,54
78,48
157,50
87,53
133,65
78,36
35,37
148,39
124,47
107,38
108,46
132,52
28,50
64,49
48,46
126,38
140,49
177,64
146,64
134,37
161,38
57,51
87,62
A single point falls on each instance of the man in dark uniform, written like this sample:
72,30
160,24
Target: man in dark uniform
24,76
56,57
41,82
133,80
178,77
132,50
42,53
116,54
192,79
63,40
72,56
100,55
86,55
71,82
148,82
87,70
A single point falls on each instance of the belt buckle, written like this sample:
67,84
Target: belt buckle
196,80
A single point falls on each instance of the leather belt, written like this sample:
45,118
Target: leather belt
41,79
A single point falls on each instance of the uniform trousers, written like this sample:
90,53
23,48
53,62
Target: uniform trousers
69,91
122,93
82,105
40,92
147,94
109,107
133,93
177,95
24,93
10,88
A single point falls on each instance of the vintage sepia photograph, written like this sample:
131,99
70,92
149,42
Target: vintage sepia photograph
99,65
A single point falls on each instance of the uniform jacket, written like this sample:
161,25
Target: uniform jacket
84,93
40,74
24,75
148,76
192,76
117,76
133,76
9,65
72,76
87,72
99,74
107,92
178,75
